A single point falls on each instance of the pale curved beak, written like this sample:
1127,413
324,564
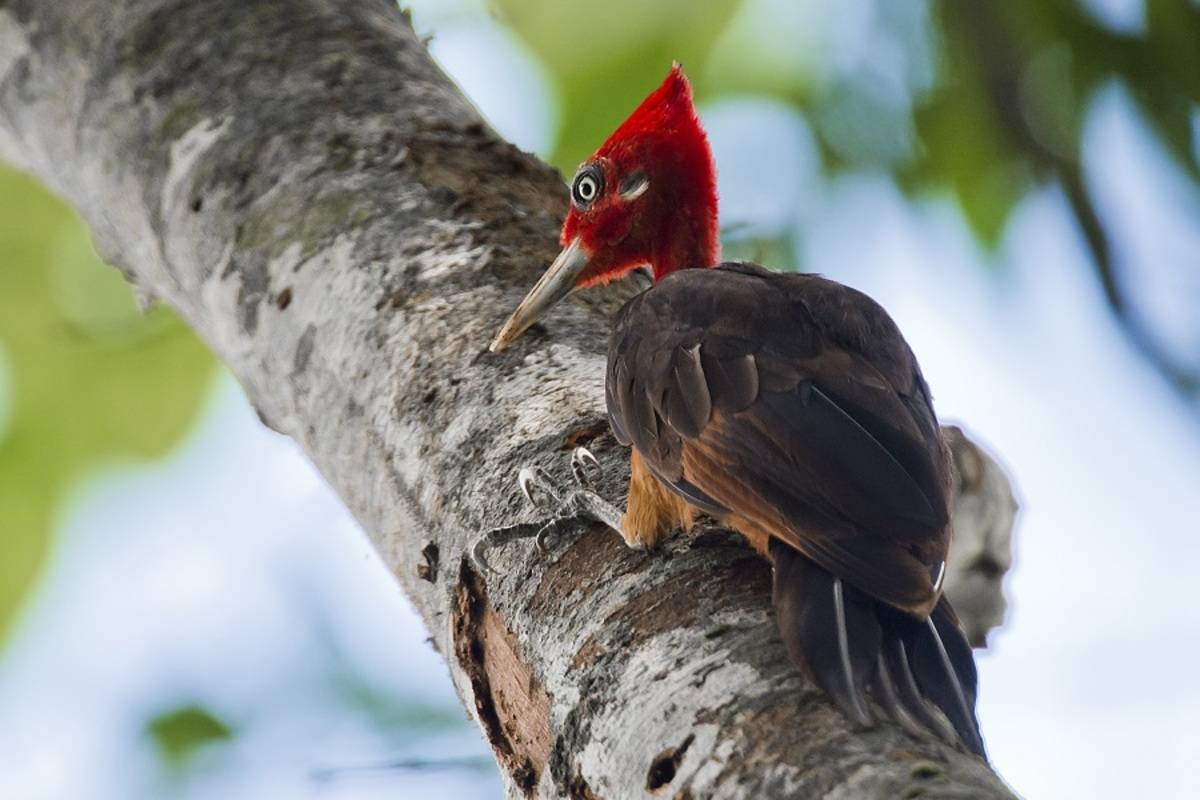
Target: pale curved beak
555,284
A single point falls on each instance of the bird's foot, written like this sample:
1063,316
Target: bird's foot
569,504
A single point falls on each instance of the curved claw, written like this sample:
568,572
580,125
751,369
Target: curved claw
582,461
479,556
568,503
533,480
547,537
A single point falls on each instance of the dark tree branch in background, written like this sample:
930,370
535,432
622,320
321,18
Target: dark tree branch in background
1002,66
320,203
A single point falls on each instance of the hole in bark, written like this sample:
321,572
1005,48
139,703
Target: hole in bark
427,569
197,204
662,772
284,299
665,765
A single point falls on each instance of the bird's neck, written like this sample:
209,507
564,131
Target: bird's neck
695,244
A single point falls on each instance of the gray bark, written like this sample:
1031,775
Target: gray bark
310,192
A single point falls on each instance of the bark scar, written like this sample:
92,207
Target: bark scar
512,706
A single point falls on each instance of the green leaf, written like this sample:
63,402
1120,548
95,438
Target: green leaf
89,380
183,731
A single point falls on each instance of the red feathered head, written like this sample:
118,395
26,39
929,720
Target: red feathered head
646,197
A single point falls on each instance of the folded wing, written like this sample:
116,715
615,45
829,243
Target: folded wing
794,403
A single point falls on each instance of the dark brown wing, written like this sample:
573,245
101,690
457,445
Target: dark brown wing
793,402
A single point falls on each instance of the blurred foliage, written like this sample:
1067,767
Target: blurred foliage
86,379
1019,76
604,55
983,99
180,733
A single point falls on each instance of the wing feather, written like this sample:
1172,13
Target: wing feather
733,380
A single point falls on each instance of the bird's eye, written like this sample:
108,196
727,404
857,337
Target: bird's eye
587,186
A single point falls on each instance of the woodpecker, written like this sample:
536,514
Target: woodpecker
785,405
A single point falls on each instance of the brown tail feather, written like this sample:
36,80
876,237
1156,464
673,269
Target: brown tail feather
850,644
942,663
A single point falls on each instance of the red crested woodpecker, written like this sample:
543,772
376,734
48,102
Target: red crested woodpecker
785,405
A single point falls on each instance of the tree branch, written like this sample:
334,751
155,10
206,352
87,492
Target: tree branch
314,196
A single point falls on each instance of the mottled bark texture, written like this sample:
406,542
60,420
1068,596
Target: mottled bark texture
314,196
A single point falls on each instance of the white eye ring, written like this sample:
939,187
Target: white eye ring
586,188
